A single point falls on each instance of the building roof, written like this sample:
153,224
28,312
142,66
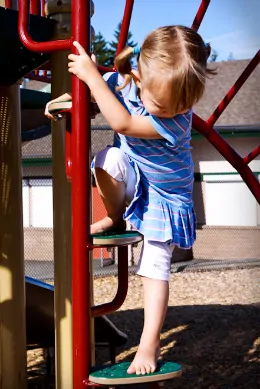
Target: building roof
244,108
242,112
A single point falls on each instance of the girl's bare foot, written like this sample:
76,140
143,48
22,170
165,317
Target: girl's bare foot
108,224
145,360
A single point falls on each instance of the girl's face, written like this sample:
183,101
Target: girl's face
152,104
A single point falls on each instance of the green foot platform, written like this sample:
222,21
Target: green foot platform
117,374
117,239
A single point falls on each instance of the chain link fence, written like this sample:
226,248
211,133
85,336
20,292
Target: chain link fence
38,212
216,246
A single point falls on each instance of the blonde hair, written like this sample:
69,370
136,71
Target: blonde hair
173,61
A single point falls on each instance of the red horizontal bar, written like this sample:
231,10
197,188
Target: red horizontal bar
120,296
252,155
235,88
200,14
39,47
229,154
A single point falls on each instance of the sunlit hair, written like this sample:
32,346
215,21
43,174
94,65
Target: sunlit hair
172,63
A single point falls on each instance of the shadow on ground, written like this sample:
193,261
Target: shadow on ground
218,346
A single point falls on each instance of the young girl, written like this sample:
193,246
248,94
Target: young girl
146,178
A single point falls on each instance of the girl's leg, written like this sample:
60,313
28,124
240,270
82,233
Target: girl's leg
115,179
112,194
156,295
154,266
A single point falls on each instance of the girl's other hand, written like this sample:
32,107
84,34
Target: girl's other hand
47,113
64,97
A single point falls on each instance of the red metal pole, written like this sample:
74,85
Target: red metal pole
200,14
125,25
229,153
39,47
252,155
81,186
8,3
35,7
43,7
235,88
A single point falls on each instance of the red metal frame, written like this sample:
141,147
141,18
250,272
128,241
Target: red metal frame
252,155
235,88
229,153
43,8
206,127
35,7
28,42
125,25
120,296
81,186
200,14
8,3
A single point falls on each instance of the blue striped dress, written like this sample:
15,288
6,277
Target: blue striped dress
162,207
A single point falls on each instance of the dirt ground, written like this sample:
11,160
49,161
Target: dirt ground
212,327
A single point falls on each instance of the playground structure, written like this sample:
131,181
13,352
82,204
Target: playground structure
74,347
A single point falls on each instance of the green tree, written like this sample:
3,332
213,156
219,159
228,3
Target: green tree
213,56
101,50
230,57
114,43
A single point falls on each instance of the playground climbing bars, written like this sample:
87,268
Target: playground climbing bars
28,42
81,182
200,14
234,89
125,25
81,186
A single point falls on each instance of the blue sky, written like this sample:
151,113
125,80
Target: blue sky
232,26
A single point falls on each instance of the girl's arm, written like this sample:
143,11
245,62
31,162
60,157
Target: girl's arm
64,97
117,116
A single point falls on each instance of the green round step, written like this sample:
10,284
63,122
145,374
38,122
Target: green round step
117,239
117,374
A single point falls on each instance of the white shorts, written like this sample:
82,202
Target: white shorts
116,164
155,258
